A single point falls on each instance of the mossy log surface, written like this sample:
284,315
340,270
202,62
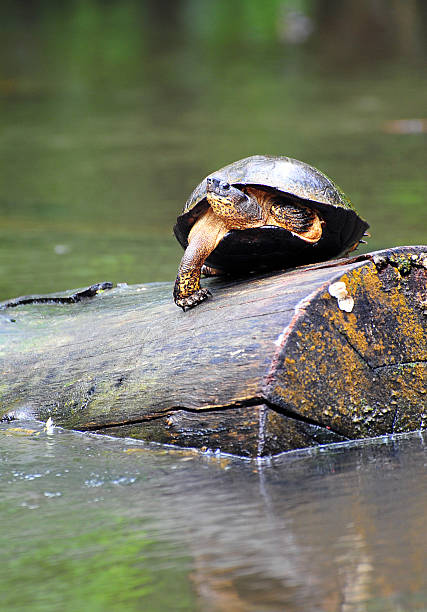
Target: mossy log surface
268,364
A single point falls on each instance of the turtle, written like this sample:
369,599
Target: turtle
259,213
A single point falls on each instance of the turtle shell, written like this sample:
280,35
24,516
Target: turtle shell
270,246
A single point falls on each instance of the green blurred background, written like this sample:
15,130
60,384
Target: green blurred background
112,111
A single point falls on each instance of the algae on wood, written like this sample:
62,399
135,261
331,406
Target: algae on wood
267,364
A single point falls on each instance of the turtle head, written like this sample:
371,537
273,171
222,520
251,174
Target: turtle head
231,203
221,190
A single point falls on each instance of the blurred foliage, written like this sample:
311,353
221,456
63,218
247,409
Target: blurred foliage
112,111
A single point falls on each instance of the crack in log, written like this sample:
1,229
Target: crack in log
266,314
244,403
290,414
343,335
400,364
364,257
372,367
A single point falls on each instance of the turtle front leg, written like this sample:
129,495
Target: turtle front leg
203,238
187,292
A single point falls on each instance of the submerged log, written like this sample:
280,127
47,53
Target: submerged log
268,364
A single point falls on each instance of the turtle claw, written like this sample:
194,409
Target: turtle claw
192,300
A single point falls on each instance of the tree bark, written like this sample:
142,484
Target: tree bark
268,364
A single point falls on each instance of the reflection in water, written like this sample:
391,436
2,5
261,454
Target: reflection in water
110,113
341,528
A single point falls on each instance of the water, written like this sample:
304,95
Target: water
95,523
110,114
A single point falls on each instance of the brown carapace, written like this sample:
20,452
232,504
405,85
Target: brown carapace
242,224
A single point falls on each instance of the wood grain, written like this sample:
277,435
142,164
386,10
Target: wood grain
267,364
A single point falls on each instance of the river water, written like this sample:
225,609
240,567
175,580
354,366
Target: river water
95,523
110,113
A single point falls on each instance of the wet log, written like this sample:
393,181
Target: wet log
268,364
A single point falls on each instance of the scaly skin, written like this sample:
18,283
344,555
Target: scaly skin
204,236
232,208
298,219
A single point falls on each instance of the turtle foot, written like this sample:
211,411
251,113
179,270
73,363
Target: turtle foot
192,300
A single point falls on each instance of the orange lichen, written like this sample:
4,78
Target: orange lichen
346,371
368,336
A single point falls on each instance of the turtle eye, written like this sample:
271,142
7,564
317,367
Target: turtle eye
226,186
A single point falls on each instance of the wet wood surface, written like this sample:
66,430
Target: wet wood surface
268,364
